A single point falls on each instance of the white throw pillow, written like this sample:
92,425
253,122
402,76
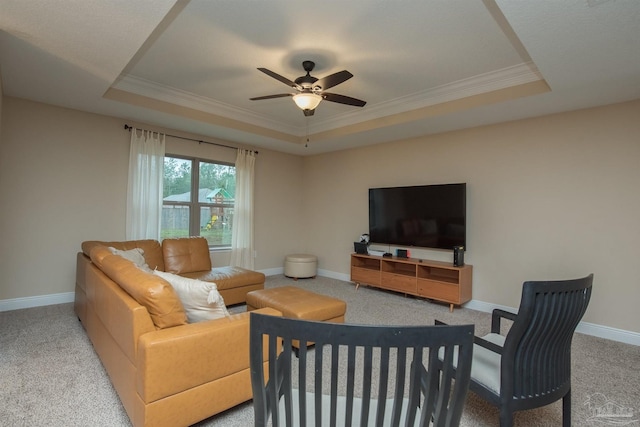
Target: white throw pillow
135,255
201,300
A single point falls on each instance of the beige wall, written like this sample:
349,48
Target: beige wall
63,176
550,197
1,99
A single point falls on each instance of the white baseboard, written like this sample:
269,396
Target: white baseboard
38,301
607,332
321,272
334,275
272,271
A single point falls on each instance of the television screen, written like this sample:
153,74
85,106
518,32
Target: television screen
429,216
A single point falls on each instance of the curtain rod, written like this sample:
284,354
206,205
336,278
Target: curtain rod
199,141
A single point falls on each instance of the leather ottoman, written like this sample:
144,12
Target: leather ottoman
298,303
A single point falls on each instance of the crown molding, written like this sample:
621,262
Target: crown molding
476,85
151,89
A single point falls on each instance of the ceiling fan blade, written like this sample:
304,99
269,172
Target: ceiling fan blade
342,99
308,113
280,78
333,80
279,95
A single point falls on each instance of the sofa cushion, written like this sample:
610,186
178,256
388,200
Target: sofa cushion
228,277
152,250
201,300
186,255
150,291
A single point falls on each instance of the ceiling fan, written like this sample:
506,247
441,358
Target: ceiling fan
311,90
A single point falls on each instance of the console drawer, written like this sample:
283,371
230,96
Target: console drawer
399,282
439,290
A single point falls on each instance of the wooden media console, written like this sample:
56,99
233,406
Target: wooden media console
435,280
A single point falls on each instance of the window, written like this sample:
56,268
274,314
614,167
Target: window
198,200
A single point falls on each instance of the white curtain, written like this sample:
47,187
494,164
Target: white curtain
242,231
144,193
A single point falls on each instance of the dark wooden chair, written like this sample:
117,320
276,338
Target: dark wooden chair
530,367
357,374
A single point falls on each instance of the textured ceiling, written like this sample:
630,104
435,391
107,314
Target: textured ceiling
423,66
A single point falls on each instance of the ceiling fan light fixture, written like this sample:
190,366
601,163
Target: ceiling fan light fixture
306,100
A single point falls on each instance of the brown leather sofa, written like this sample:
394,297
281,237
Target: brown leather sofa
189,257
166,371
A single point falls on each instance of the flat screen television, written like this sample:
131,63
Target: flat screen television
428,216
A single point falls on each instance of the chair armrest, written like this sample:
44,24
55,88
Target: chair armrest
480,341
487,344
175,359
497,315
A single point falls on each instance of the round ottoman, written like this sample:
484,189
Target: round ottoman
300,266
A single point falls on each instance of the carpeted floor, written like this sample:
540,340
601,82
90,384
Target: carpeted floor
50,375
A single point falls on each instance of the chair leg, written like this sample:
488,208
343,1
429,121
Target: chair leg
566,409
506,417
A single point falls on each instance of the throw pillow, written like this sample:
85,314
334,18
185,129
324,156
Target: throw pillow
201,300
135,255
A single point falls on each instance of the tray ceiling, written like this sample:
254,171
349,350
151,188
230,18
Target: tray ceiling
422,66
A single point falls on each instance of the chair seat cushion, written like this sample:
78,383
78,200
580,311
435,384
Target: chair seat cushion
340,412
485,368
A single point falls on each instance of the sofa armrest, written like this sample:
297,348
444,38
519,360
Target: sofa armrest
176,359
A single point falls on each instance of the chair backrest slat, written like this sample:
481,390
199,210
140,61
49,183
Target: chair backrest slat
383,367
302,381
401,369
366,386
537,349
366,362
319,362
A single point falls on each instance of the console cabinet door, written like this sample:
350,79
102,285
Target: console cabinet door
365,269
365,275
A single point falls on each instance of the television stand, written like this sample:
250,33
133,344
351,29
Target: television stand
435,280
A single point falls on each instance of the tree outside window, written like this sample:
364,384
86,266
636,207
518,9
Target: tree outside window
198,200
